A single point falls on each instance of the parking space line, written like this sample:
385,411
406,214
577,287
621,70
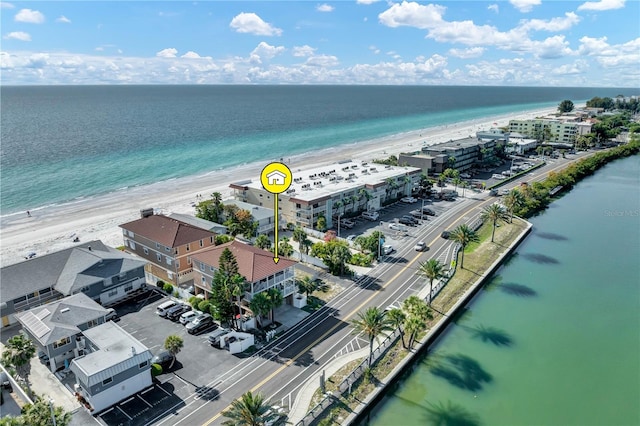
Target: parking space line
146,390
163,390
128,400
143,400
122,411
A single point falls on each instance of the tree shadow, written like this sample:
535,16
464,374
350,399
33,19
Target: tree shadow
206,393
462,371
541,259
370,283
449,414
490,335
551,236
516,289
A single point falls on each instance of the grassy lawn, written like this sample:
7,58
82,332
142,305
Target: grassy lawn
476,261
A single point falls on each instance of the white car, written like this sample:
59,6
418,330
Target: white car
351,238
187,317
409,200
387,249
421,246
371,215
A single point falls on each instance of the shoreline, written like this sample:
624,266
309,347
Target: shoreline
51,228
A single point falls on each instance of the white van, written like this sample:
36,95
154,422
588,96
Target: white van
371,215
164,307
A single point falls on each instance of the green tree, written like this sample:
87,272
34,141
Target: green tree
17,353
413,326
249,410
372,322
370,243
464,235
397,318
512,201
307,285
263,242
321,225
298,234
565,106
173,344
225,280
39,414
432,269
284,247
364,195
494,213
417,307
260,305
335,254
275,300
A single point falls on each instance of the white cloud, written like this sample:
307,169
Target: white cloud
494,7
302,51
374,49
324,8
466,32
602,5
322,61
252,24
264,51
167,53
366,1
555,24
63,20
6,5
412,14
99,49
577,67
191,55
525,5
551,48
29,16
18,35
472,52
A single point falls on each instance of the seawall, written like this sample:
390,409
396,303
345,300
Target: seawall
361,412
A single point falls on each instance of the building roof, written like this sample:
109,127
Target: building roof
59,319
253,263
259,213
320,183
66,270
167,231
199,223
116,351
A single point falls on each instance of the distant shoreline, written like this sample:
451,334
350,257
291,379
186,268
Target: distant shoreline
49,228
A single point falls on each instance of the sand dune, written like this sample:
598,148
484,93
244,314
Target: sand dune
53,228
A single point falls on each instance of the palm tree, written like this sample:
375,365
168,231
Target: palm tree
365,195
494,213
464,185
249,410
397,318
284,248
413,325
260,305
418,308
512,201
456,181
433,270
39,413
18,353
173,344
406,180
338,205
218,207
353,199
464,235
307,285
275,300
298,234
263,242
373,323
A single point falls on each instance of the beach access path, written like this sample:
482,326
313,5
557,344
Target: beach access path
53,228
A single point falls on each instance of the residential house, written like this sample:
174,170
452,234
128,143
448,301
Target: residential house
262,215
115,366
167,244
103,273
57,328
255,265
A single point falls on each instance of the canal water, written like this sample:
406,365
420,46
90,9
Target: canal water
554,338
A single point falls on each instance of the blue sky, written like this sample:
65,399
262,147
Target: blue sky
515,42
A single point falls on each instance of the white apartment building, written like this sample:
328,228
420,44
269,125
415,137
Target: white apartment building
551,130
331,191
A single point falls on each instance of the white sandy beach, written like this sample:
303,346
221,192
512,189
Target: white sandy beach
51,229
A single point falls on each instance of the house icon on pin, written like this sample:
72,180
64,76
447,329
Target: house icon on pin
276,178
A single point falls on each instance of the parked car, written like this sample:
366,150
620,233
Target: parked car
174,313
112,315
406,221
411,218
417,214
387,249
421,246
347,223
351,237
163,359
214,337
201,322
445,235
408,200
162,309
371,215
398,227
428,211
187,317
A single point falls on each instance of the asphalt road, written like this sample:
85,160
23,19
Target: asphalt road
281,368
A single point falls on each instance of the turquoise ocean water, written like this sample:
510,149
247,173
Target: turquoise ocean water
61,143
554,339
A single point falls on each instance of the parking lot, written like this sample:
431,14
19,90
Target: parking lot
196,367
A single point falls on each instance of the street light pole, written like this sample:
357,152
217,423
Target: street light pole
53,414
339,216
422,211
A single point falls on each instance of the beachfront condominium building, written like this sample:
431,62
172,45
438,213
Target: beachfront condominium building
103,273
340,189
256,266
461,154
547,129
167,244
115,365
